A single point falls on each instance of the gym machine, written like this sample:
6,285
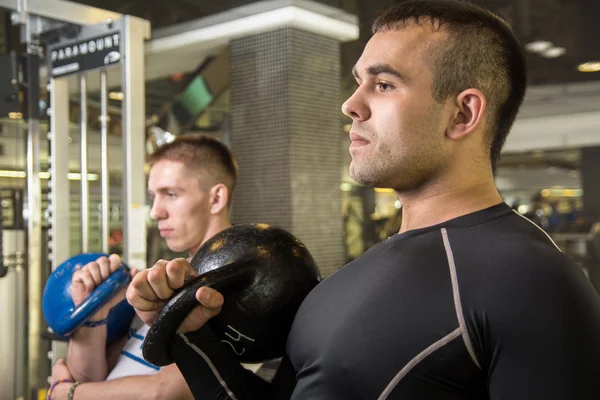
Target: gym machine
61,41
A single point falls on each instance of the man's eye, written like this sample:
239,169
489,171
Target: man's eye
384,86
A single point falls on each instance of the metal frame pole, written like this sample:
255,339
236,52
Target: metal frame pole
135,31
84,167
104,149
34,202
59,196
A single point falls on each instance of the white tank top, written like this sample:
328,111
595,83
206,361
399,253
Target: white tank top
131,361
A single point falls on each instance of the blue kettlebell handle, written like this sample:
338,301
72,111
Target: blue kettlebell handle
75,317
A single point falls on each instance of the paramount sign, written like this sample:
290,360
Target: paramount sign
85,55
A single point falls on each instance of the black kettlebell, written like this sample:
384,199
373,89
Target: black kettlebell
264,274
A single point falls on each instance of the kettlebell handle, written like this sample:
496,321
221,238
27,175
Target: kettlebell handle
75,317
225,280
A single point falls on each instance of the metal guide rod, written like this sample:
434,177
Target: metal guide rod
135,31
58,184
34,205
84,168
104,149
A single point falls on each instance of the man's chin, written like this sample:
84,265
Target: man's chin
361,179
176,248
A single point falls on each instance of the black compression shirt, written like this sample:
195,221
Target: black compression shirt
484,306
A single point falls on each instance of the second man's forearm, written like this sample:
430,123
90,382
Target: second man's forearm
86,355
168,384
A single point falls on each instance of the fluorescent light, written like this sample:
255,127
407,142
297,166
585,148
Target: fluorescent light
384,190
554,52
12,174
589,67
116,96
74,176
539,46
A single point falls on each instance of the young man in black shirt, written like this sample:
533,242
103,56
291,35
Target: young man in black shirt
469,300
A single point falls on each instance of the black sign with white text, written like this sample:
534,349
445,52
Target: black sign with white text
85,55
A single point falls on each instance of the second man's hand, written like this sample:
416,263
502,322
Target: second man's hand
151,288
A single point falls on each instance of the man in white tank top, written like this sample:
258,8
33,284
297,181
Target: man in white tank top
191,182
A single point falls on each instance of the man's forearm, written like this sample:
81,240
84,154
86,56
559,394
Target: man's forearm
167,384
86,354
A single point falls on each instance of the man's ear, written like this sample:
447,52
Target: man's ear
468,114
219,196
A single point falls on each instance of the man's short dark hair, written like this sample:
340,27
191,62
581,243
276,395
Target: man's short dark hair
201,154
481,52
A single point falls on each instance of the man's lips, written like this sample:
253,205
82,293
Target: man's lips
357,140
165,231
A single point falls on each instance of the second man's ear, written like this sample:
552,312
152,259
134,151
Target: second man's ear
219,197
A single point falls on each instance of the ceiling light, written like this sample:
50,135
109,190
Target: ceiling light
73,176
15,115
539,46
554,52
523,209
589,67
562,192
160,136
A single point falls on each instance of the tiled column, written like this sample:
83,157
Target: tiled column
286,133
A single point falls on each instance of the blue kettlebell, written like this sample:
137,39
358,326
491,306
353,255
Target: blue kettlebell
60,311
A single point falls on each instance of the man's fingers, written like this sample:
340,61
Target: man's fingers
94,270
151,288
210,305
83,277
104,267
211,300
140,303
178,271
157,278
142,287
114,262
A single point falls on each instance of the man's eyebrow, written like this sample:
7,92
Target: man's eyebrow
379,69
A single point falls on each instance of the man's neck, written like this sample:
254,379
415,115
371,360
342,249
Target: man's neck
213,228
436,205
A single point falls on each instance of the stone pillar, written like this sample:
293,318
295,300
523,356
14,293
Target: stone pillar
590,165
286,134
